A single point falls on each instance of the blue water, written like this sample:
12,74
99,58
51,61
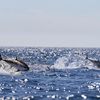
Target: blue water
55,74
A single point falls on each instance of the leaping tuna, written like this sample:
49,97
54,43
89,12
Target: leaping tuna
15,65
95,62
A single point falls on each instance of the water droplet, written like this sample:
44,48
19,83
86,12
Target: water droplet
47,91
25,80
25,92
26,98
98,96
91,87
69,96
57,89
13,91
48,96
84,96
38,88
32,97
53,96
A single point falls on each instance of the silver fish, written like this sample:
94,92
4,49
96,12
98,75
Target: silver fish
15,64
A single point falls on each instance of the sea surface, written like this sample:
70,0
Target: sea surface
55,74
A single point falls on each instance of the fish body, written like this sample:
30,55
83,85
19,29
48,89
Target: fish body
95,62
13,64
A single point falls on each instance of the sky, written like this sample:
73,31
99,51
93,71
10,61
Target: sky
50,23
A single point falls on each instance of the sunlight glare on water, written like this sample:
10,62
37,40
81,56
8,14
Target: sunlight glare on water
55,74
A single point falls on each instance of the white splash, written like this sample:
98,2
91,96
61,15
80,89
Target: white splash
72,62
6,69
60,63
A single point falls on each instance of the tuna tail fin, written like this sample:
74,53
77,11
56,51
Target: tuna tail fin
0,57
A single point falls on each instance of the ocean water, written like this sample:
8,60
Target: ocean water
55,74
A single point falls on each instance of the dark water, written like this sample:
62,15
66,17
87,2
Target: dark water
55,74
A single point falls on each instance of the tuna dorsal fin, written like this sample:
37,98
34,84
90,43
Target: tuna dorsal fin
0,57
87,57
16,58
